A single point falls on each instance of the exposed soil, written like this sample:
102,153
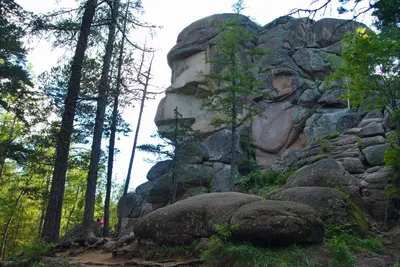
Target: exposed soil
100,258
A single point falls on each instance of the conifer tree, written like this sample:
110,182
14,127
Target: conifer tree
232,88
179,143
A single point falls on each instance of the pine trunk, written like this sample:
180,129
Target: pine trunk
114,123
52,220
143,100
88,216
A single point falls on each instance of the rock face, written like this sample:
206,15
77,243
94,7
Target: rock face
292,70
266,221
323,173
305,126
331,205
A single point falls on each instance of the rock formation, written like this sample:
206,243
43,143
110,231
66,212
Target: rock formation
304,126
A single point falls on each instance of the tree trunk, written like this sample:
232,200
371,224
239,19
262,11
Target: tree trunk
233,128
88,216
146,85
6,149
175,159
114,123
52,221
14,242
44,202
8,224
73,207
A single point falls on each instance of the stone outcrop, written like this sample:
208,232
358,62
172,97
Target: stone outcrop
292,70
264,221
305,125
331,205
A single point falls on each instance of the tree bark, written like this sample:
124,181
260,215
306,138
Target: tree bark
88,216
44,202
233,128
175,164
6,149
8,224
146,85
52,221
114,123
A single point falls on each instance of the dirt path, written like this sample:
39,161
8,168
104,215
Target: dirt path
99,258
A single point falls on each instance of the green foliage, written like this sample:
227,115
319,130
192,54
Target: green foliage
262,182
34,251
178,144
369,69
231,86
342,257
222,252
224,231
344,236
334,135
168,252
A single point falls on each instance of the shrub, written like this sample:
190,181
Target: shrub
167,252
333,135
223,252
262,182
343,240
341,253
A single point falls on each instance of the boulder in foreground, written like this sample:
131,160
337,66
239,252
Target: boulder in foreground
265,221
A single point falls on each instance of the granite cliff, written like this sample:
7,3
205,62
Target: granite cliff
305,126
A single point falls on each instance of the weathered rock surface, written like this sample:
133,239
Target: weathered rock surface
159,169
330,204
277,222
292,72
267,221
323,173
375,154
303,126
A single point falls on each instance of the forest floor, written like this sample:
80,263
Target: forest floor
92,258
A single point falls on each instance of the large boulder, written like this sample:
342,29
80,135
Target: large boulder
331,205
329,120
375,154
326,172
193,218
219,145
278,223
159,169
133,205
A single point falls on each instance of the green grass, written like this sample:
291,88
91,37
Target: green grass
342,257
352,240
240,255
168,252
262,182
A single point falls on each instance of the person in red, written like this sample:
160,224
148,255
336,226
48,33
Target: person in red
100,221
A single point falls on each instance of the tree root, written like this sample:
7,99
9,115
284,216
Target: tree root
143,263
126,239
99,242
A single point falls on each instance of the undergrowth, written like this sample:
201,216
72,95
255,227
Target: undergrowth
168,252
251,178
223,252
34,251
344,242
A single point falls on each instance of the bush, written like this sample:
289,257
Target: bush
168,252
352,240
343,240
262,182
222,252
341,253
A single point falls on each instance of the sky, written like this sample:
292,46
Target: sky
173,16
